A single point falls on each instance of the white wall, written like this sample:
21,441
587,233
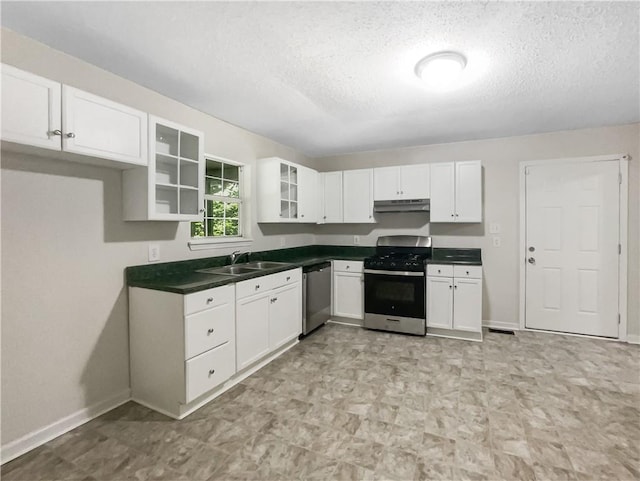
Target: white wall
65,247
500,158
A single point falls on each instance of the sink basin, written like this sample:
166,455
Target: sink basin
264,265
233,270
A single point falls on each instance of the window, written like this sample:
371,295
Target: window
222,200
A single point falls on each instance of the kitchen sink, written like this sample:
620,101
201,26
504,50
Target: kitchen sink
233,270
264,265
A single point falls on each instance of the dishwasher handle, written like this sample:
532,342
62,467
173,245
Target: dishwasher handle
304,299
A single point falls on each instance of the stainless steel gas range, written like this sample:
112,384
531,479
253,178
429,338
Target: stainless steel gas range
394,285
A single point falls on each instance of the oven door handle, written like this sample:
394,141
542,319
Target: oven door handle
395,273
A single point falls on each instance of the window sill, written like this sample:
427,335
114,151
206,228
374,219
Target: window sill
212,243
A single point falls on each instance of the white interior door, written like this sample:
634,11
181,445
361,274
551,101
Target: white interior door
572,236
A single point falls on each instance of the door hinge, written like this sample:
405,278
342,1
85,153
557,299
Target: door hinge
619,249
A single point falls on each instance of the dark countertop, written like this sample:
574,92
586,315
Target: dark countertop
183,277
467,257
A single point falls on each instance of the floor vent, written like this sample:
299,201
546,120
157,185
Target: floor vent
501,331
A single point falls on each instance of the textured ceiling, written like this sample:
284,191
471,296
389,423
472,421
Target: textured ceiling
335,77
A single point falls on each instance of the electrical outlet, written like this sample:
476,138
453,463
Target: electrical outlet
283,241
154,252
494,228
356,240
497,242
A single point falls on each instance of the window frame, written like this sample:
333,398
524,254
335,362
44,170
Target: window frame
210,241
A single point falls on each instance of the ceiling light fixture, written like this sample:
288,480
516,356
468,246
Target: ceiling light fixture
441,70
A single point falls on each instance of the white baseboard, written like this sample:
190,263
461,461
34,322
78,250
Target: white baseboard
633,339
36,438
500,325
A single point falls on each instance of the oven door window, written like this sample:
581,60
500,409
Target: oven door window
389,295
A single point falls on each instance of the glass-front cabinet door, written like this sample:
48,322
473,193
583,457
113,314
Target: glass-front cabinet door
288,191
175,171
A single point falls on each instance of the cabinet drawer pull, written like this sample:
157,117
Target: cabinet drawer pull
71,135
288,278
209,300
56,132
212,372
209,331
274,300
257,286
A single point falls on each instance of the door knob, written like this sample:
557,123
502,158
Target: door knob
531,260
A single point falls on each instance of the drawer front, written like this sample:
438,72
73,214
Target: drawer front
440,270
209,370
208,329
287,277
471,272
348,266
199,301
254,286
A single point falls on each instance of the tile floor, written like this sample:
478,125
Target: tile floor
347,403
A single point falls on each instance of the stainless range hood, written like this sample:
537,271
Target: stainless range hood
408,205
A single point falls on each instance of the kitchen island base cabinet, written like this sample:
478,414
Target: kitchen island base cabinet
182,347
268,315
454,301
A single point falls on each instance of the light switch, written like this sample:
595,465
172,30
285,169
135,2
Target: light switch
497,242
494,228
154,252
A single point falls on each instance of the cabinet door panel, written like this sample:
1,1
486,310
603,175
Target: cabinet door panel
348,295
442,192
252,330
439,302
415,182
31,109
103,128
307,194
358,195
467,305
468,191
285,315
386,183
332,197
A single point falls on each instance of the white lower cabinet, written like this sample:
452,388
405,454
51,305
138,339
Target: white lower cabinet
268,315
454,300
181,346
348,289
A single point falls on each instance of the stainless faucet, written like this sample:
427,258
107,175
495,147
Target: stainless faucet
235,256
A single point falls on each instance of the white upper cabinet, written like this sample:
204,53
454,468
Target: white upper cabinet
171,188
286,191
456,191
41,113
402,182
31,109
308,194
331,201
357,187
98,127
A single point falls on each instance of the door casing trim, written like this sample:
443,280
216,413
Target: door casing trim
623,163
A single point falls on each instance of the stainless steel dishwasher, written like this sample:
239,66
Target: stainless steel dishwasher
316,296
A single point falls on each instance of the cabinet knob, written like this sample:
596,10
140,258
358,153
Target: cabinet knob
397,192
212,372
348,267
201,211
288,278
451,215
455,287
301,215
56,132
324,217
274,300
467,272
209,331
449,286
257,286
438,271
402,191
71,135
456,215
209,300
